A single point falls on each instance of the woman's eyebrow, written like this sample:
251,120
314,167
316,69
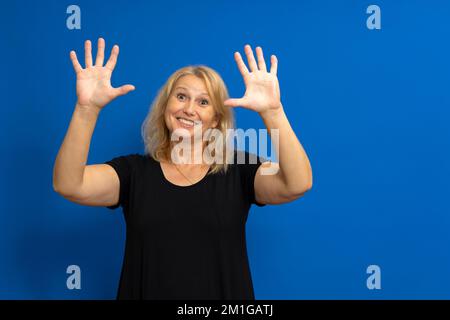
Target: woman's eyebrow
203,93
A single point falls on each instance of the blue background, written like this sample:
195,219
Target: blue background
371,108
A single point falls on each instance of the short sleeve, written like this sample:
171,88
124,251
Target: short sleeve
248,173
124,167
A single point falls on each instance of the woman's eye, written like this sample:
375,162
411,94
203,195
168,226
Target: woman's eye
182,96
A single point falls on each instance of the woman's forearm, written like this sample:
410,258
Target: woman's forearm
71,160
295,168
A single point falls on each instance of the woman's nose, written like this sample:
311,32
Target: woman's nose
189,107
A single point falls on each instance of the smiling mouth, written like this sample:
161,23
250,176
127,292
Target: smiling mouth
187,122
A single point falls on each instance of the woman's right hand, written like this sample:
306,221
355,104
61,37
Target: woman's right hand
94,88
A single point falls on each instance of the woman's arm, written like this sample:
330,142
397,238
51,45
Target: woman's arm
92,184
72,155
292,176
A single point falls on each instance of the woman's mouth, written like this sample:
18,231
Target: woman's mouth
186,123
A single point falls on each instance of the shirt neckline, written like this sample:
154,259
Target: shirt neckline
166,181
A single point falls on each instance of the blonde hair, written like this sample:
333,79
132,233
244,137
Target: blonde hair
155,133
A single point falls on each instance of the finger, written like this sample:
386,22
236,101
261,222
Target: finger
273,64
241,64
100,52
261,62
234,102
76,65
250,58
88,53
111,64
123,90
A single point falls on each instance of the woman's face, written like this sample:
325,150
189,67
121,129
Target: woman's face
189,106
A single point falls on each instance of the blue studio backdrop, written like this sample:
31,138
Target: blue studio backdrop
370,106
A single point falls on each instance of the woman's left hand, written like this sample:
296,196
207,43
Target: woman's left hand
262,92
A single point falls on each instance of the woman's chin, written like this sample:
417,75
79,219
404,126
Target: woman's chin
183,129
182,132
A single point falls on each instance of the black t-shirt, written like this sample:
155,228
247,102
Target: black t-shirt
185,242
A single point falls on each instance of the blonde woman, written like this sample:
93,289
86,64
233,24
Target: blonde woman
185,221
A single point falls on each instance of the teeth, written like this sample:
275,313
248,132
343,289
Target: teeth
187,122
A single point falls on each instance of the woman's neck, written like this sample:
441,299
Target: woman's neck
187,154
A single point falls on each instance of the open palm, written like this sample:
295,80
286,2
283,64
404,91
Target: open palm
262,88
94,81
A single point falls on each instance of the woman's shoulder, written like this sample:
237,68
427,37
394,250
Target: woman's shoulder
133,159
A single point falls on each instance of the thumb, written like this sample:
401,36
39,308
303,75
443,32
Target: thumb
234,102
123,90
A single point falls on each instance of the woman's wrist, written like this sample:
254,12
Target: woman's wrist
88,110
272,113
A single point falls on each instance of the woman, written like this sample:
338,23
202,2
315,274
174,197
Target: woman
185,220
